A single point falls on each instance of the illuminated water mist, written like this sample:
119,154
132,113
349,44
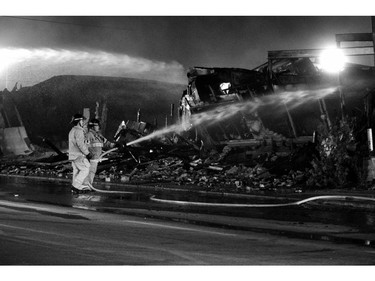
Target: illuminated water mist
292,99
31,66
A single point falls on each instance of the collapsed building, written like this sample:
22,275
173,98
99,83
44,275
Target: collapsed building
234,118
280,106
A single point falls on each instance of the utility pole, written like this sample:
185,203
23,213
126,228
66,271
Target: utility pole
373,35
139,115
172,112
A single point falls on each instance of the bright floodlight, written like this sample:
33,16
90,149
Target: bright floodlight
332,60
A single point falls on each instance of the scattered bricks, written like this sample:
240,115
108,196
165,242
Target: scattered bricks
196,163
13,171
264,174
133,172
182,177
155,173
273,158
216,168
204,179
232,170
238,184
211,173
178,171
153,166
213,157
226,150
299,176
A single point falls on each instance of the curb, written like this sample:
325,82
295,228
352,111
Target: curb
287,229
366,240
348,202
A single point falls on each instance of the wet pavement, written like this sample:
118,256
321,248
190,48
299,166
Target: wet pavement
344,222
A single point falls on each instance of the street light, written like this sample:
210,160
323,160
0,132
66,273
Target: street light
333,60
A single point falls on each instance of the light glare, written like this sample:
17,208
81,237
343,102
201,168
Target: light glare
332,60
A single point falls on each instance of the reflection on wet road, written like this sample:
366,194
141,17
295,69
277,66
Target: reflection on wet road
56,193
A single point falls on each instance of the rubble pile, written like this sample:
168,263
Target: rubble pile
58,171
212,173
237,178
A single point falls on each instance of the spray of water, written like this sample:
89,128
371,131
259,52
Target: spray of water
292,99
31,66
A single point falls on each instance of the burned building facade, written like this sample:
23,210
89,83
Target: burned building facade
280,103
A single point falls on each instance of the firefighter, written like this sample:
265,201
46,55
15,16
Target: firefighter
79,154
96,143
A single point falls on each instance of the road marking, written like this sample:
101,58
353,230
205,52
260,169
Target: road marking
13,204
89,248
25,206
32,230
181,228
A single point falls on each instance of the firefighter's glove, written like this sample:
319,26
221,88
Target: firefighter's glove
89,156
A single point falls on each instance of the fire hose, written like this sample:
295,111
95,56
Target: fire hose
100,159
188,203
297,203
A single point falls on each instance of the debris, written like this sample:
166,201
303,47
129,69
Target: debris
237,155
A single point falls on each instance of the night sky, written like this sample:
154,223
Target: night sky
156,47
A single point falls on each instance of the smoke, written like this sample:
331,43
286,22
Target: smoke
31,66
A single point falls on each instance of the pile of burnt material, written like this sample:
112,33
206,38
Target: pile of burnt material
229,170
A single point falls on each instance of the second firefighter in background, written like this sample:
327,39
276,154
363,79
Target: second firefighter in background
79,154
96,143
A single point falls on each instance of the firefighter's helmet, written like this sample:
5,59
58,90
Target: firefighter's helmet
77,117
94,122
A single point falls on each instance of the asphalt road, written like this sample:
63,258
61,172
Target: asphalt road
43,234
